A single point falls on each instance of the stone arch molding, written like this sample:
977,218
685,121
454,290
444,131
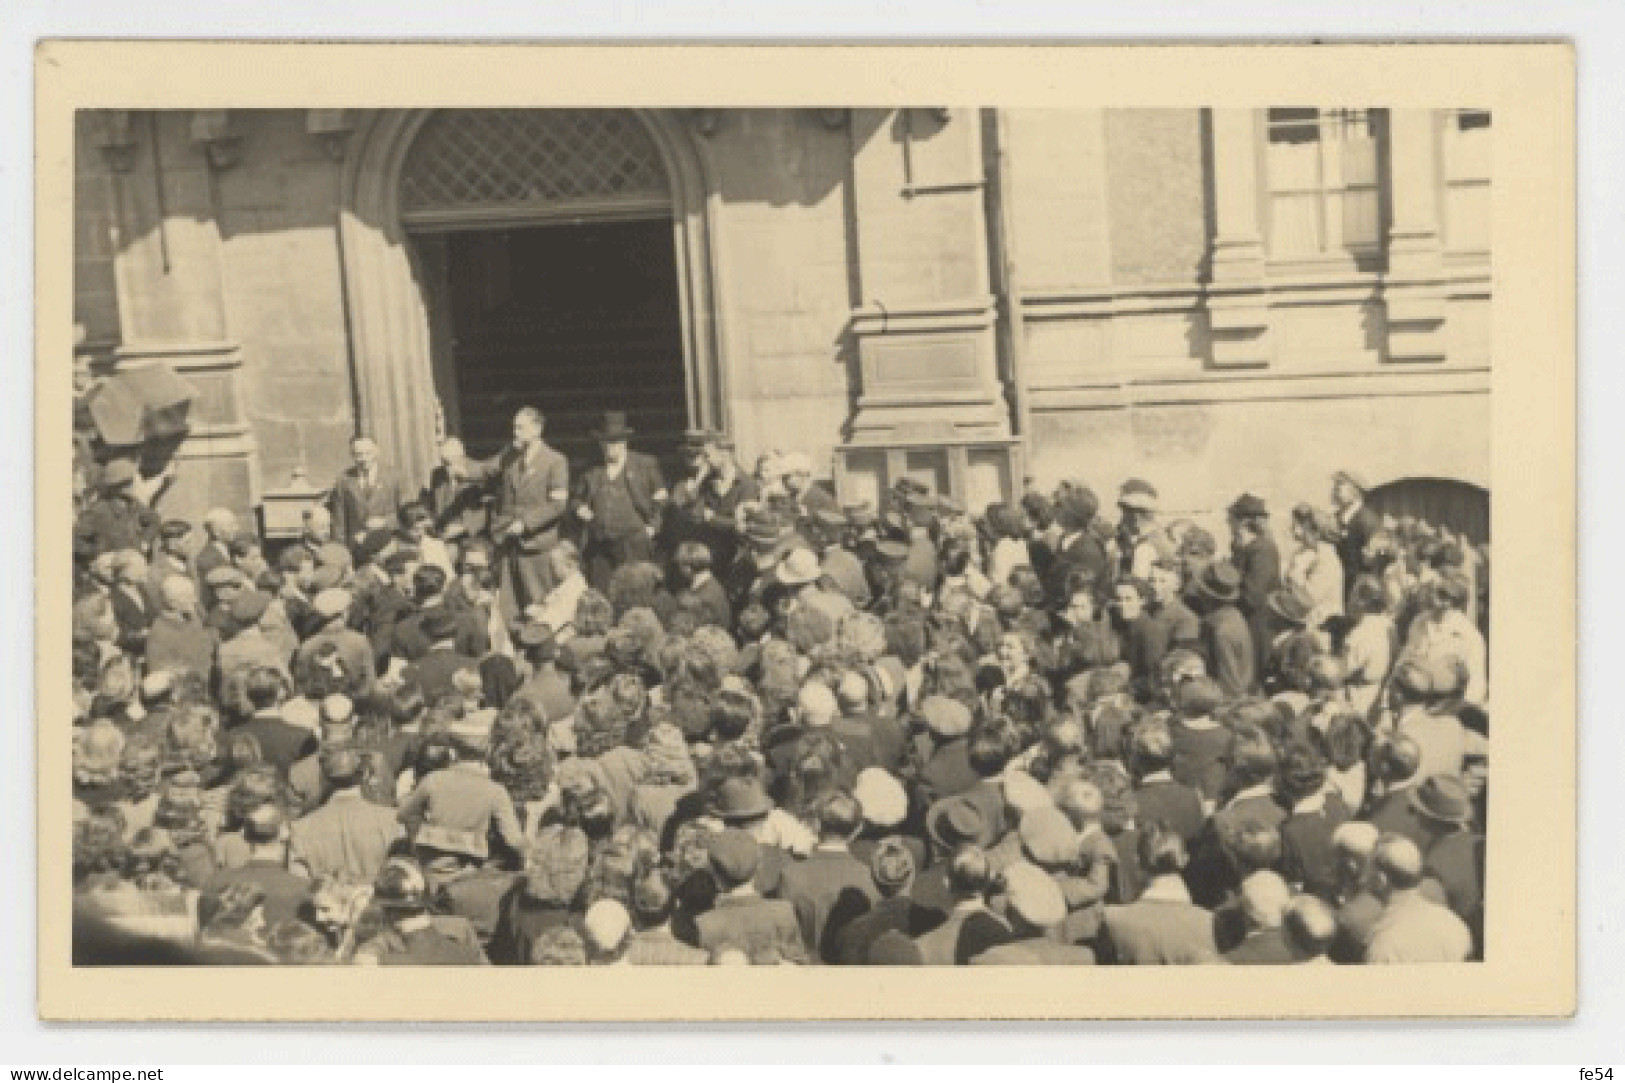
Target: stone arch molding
388,314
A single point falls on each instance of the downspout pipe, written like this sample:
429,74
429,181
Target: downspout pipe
1014,300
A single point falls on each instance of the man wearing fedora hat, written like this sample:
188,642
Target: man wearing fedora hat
1258,560
621,502
1226,637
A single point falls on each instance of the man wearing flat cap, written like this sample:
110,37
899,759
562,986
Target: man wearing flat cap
622,502
764,929
332,609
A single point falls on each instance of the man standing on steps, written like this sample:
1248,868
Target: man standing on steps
363,494
532,493
621,502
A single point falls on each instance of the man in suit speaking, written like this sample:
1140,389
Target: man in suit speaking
532,492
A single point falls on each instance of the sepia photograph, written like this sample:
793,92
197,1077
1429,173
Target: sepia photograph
797,537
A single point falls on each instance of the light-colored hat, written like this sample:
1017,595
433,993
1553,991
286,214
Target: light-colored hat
1034,894
606,924
330,603
1024,793
798,567
1048,837
881,796
945,718
1137,494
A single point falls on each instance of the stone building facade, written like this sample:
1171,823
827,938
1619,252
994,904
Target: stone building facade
1214,300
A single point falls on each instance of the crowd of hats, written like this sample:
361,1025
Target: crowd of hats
959,740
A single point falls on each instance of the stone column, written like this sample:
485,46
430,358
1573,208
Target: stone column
1238,302
1414,291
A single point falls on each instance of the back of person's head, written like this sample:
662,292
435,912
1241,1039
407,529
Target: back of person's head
1399,861
264,688
263,824
428,581
1302,772
1264,899
1310,925
1151,748
1344,740
892,867
1198,697
652,899
969,872
815,704
989,749
839,816
1162,851
1256,846
407,704
1252,758
853,693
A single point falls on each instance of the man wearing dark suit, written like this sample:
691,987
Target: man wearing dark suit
1226,638
1254,553
457,505
766,930
829,887
622,499
281,742
532,492
1159,797
364,493
1080,558
1214,871
1358,521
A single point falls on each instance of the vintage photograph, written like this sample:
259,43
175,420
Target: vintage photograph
757,536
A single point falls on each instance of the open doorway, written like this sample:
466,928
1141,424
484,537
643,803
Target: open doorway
573,319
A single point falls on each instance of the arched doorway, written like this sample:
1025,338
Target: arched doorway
1463,507
556,257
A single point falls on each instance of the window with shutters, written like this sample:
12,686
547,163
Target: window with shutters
1466,172
473,165
1325,180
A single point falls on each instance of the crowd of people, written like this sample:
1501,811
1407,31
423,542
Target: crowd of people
527,718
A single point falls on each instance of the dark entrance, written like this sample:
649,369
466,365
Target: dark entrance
573,319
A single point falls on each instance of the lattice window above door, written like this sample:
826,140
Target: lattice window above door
480,163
